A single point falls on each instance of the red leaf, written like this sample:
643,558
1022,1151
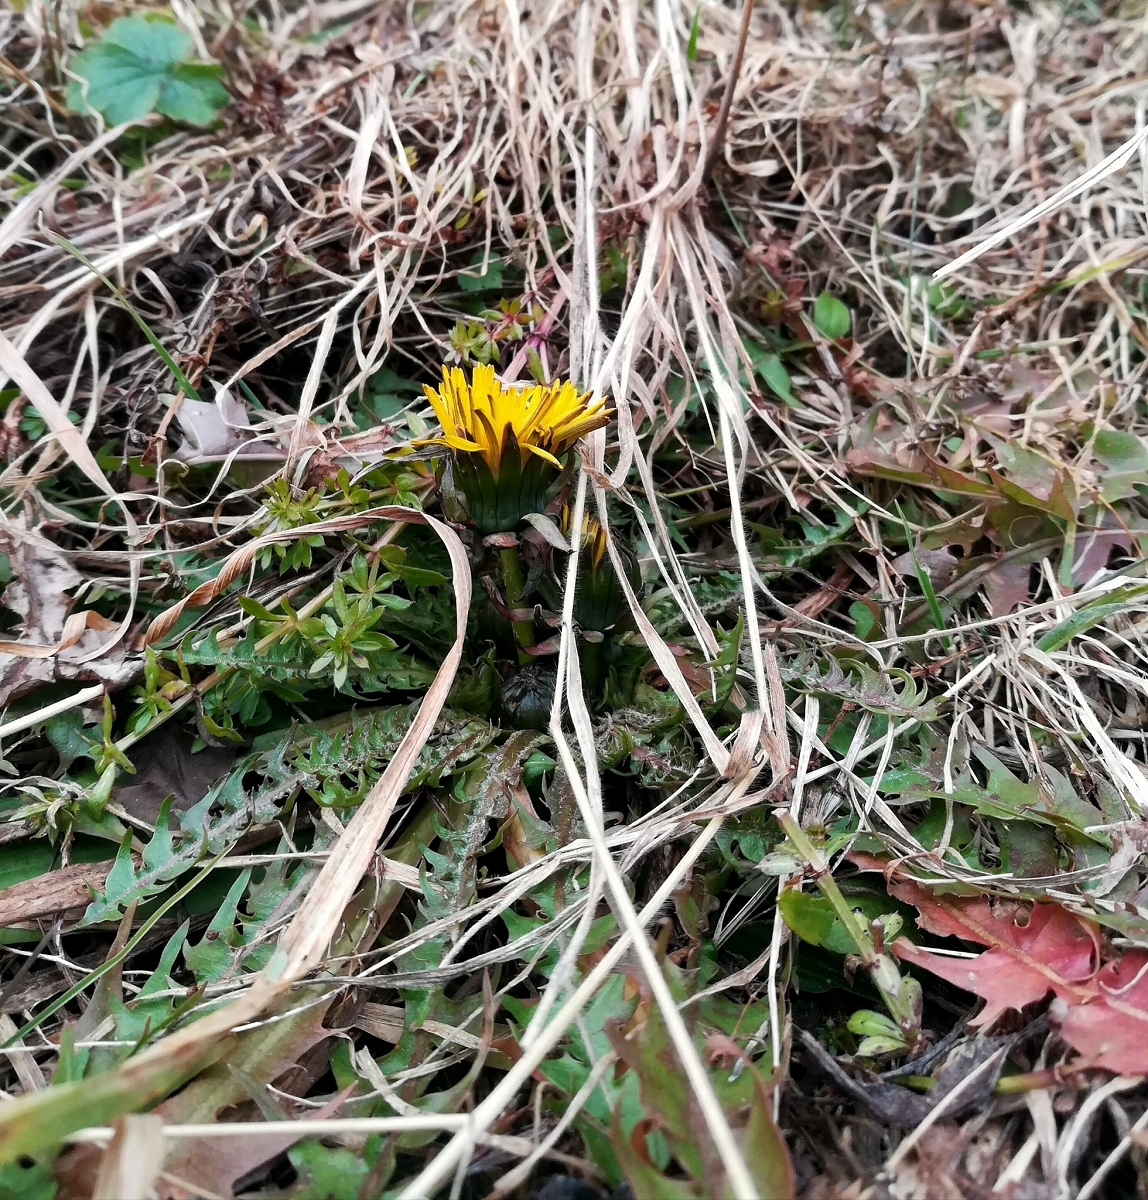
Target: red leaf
1006,585
1031,954
1111,1028
1101,1013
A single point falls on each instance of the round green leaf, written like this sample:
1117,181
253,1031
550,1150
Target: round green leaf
831,316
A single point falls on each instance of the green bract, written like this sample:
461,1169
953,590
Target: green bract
139,66
599,601
497,505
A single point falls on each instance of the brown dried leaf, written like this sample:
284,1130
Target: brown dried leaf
53,644
1006,585
165,766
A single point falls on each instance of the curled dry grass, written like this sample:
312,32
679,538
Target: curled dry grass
374,150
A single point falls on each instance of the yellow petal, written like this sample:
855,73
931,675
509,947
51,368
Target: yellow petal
441,410
573,430
544,454
477,413
482,387
428,441
460,443
493,438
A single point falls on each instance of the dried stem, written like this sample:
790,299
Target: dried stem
730,86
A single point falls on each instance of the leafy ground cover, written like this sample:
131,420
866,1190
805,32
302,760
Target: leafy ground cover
731,787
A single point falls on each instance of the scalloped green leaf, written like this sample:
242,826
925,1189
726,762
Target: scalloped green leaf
140,66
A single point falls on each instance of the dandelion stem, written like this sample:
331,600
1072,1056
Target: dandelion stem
593,668
514,586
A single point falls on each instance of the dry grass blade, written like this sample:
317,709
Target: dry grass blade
864,288
446,1160
304,942
14,365
22,215
132,1159
1116,161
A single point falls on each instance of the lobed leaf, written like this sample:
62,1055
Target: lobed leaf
137,68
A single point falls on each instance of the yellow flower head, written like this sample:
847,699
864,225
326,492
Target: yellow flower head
483,417
506,442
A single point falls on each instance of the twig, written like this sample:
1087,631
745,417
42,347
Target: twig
730,85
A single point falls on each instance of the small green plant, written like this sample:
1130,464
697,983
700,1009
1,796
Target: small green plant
141,65
288,509
349,640
831,316
33,426
478,340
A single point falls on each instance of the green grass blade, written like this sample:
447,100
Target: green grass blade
185,384
115,959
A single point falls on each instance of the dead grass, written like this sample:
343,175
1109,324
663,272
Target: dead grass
375,152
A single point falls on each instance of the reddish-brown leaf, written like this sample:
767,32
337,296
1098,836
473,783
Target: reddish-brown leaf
1032,952
1101,1012
1110,1029
1006,585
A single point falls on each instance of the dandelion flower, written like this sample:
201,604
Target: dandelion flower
507,443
